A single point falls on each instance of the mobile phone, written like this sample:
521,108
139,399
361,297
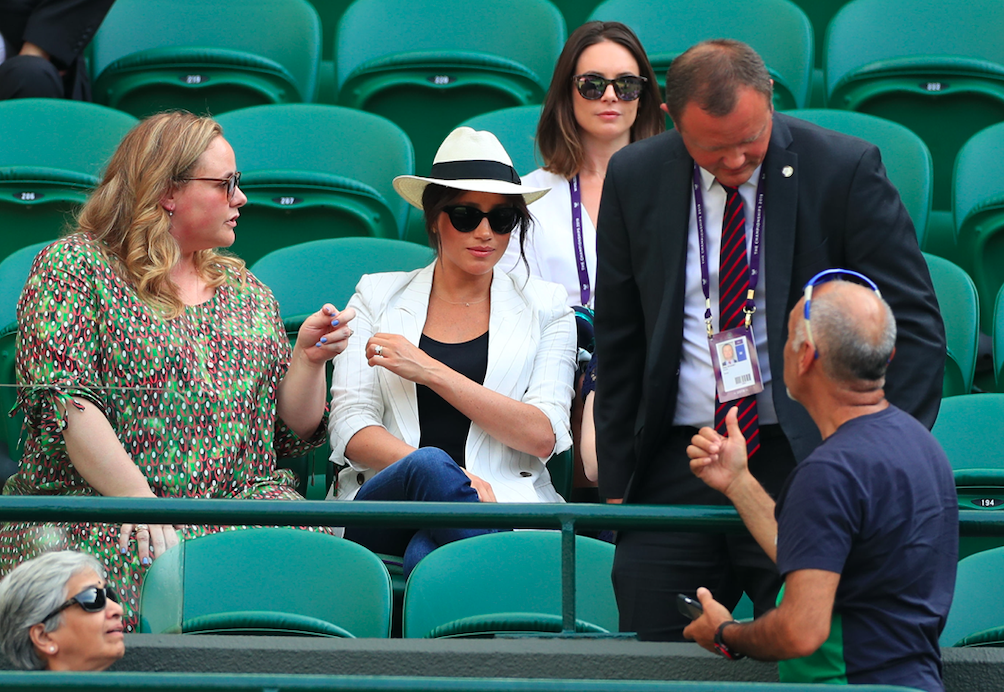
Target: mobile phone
689,606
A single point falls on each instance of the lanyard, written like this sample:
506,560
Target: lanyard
580,245
754,258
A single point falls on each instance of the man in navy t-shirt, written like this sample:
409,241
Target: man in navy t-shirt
865,531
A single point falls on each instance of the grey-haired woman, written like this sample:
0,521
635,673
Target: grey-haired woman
57,613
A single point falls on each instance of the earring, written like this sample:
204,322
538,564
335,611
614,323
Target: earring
170,212
52,649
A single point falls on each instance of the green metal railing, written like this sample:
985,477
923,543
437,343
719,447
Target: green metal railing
44,681
564,517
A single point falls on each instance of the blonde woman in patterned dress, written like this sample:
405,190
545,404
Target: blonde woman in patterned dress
154,365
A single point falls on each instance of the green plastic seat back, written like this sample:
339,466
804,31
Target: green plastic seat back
516,129
776,29
575,12
14,270
960,310
968,428
234,579
329,12
206,57
820,12
978,207
303,277
47,171
998,340
906,158
314,171
935,66
516,573
10,430
978,603
429,66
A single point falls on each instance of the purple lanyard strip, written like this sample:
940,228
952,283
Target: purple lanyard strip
580,244
754,257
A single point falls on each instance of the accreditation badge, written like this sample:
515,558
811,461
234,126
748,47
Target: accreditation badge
737,370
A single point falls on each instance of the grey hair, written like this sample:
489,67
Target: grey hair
851,351
31,591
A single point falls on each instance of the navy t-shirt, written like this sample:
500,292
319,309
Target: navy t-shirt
876,504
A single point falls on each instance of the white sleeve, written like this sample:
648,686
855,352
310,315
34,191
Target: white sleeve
356,399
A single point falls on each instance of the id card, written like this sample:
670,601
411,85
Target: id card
737,370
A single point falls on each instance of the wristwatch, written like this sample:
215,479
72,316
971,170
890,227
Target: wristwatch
722,647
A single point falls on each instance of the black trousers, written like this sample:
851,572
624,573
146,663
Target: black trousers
651,568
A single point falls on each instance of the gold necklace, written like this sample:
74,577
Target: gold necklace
463,302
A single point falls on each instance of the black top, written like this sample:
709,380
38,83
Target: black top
442,425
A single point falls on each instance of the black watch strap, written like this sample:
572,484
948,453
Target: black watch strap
722,647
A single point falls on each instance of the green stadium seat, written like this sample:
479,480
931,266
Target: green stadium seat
970,431
302,277
998,340
52,153
329,12
508,582
977,614
313,171
575,12
776,29
516,129
439,62
936,67
978,208
14,270
10,430
906,157
205,57
960,310
288,582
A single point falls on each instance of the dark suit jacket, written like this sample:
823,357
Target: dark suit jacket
62,28
837,209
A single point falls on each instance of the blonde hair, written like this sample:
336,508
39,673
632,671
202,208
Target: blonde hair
124,214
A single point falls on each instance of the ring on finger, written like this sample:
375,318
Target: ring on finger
142,527
378,350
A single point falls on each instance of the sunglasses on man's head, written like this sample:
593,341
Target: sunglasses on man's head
93,599
465,219
592,86
232,182
823,277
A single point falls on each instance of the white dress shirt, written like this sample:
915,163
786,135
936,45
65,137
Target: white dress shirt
695,399
549,247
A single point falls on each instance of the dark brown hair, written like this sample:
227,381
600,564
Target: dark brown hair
711,73
557,131
435,198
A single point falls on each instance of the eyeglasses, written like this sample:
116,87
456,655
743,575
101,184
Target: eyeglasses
232,182
821,278
502,219
93,599
592,86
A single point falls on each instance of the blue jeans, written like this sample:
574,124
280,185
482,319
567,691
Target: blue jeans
426,475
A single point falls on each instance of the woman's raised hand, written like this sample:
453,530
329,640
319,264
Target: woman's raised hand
325,334
400,356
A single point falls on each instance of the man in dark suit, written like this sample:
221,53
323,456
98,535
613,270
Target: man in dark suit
826,202
45,41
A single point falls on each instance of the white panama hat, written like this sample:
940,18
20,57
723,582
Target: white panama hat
469,160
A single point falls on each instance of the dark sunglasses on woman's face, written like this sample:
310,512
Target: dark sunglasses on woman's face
592,86
465,219
93,599
232,181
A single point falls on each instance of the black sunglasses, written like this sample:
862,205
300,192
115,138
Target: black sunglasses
592,86
465,219
93,599
232,182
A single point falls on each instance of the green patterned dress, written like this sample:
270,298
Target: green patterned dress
192,399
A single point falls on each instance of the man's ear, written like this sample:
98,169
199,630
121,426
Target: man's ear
806,357
665,109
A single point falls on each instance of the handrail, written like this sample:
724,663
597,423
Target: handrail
566,517
221,682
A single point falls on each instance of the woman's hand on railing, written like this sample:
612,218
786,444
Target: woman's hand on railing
152,540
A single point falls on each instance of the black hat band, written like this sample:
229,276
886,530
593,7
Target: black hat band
475,170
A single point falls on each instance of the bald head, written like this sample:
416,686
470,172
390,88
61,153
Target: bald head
854,332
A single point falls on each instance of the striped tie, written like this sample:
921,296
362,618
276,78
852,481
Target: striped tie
734,281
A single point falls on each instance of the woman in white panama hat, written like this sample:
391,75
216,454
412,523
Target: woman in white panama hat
458,382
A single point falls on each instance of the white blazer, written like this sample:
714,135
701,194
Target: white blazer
531,358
